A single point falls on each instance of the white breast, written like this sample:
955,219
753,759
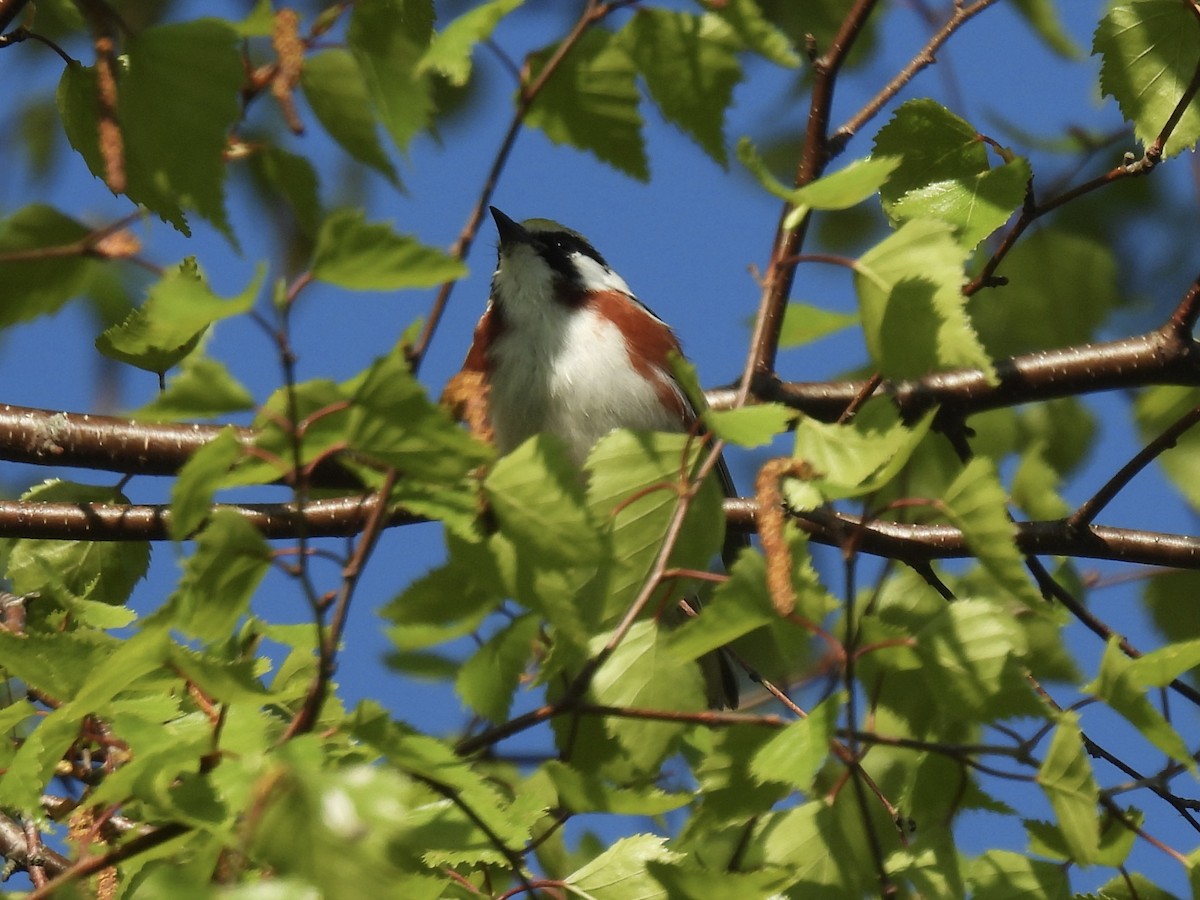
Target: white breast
567,372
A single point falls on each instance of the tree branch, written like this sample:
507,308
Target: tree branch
1165,356
815,154
1141,361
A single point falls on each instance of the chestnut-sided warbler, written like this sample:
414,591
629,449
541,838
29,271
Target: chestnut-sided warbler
564,347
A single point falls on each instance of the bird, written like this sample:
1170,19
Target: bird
565,347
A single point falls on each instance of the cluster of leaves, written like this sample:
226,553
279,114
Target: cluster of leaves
227,768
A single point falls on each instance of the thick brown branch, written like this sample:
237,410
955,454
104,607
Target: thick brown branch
43,437
1148,359
78,440
338,517
346,516
917,544
15,848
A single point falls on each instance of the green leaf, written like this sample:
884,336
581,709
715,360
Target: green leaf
643,674
1061,288
294,179
737,606
259,22
910,299
633,487
435,762
178,95
691,68
102,571
450,51
795,755
39,287
822,846
445,603
201,389
59,664
620,873
976,503
201,475
749,157
365,830
388,39
750,426
487,680
971,653
392,420
686,879
177,312
1035,486
34,765
1157,408
1002,875
219,579
548,546
1128,885
353,253
1151,49
320,404
1116,839
1065,427
1042,16
538,500
222,679
842,189
591,102
932,866
335,89
1122,684
1169,596
804,323
1066,777
756,31
582,792
945,173
855,459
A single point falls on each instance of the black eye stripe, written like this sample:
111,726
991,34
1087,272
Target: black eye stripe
560,245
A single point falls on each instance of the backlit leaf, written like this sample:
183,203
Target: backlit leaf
910,297
1066,777
1151,49
591,103
690,66
366,256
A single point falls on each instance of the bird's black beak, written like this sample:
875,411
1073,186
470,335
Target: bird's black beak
510,232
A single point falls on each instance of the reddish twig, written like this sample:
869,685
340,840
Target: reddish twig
1033,211
777,283
925,57
330,637
93,864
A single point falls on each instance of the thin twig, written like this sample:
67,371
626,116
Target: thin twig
1087,511
925,57
330,637
93,864
1032,211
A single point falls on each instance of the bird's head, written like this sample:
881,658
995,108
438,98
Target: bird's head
542,262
